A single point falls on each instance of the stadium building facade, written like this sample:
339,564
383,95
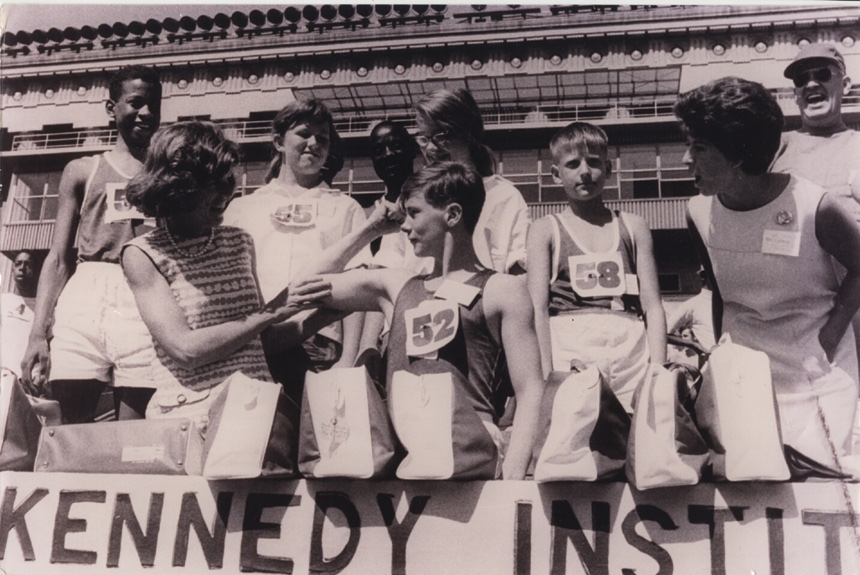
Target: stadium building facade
532,69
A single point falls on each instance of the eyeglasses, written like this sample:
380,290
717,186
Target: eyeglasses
439,139
821,75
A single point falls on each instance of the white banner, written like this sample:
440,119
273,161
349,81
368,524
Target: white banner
76,523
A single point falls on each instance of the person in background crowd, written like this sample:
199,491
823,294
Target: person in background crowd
592,275
16,309
193,279
392,151
292,219
824,151
99,338
450,128
768,239
696,315
442,205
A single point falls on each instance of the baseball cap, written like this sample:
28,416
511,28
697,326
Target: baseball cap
815,52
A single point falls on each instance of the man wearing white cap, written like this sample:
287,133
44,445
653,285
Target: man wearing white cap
824,150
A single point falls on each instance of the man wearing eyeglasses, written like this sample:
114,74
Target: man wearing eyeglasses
824,150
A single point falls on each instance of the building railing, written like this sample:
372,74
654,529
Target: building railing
245,131
658,213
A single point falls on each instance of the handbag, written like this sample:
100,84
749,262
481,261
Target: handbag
737,414
345,427
443,436
664,448
19,426
585,429
169,446
253,431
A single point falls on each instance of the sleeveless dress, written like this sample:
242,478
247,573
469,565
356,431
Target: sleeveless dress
214,285
779,287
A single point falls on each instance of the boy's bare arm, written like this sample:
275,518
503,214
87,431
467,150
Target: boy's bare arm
539,250
56,268
503,297
649,289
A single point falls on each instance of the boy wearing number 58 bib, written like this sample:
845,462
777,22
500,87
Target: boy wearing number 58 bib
592,274
461,320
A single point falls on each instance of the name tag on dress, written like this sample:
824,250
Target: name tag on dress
118,208
299,214
597,275
430,327
781,243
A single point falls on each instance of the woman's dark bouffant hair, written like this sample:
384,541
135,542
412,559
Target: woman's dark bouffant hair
740,118
183,159
293,114
447,183
456,112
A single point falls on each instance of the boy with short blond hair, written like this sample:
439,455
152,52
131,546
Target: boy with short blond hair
592,275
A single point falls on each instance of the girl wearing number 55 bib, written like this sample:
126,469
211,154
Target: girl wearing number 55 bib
770,241
293,219
592,275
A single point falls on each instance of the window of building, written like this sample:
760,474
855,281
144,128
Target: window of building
34,197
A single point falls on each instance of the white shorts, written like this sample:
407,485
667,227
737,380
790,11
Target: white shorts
614,341
98,331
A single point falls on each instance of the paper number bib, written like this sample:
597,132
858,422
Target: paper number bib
302,214
118,208
430,327
597,275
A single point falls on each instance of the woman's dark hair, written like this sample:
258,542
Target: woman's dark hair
183,159
740,118
457,113
447,183
293,114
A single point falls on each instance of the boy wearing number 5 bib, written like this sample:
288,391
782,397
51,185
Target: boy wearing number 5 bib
592,274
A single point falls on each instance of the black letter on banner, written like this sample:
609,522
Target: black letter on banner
399,532
191,516
253,530
63,524
715,519
775,540
646,546
145,543
831,521
523,539
12,517
325,500
566,527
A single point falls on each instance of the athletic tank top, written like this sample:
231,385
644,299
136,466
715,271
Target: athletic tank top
105,215
476,362
563,297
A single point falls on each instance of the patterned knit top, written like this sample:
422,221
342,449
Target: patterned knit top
213,282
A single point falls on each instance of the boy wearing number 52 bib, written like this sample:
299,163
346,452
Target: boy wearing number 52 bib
461,319
592,274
